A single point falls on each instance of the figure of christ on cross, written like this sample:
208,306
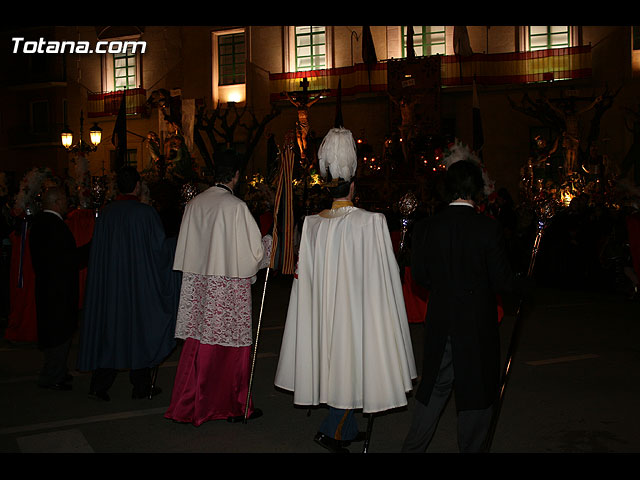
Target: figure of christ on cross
303,101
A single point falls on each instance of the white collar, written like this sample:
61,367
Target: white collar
55,213
462,203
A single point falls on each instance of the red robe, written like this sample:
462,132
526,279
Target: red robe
22,325
81,222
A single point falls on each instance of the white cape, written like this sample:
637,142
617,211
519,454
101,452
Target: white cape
346,341
218,236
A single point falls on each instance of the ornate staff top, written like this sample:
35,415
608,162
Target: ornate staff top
408,204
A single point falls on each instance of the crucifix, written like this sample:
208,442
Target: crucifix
303,101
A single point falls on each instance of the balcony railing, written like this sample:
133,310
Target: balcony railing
520,67
107,104
487,69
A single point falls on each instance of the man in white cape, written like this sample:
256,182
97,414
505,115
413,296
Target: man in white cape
219,251
346,341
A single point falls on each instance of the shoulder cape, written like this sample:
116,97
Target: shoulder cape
346,341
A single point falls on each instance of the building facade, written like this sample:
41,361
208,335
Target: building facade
239,76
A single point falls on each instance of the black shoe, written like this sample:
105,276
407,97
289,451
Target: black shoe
57,386
360,437
257,413
331,444
155,391
104,396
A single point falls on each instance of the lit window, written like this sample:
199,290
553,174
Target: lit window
231,59
635,51
124,70
427,40
310,48
543,37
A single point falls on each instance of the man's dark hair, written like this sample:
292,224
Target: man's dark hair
226,164
464,180
126,179
340,190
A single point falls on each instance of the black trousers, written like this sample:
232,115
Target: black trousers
473,425
54,368
102,379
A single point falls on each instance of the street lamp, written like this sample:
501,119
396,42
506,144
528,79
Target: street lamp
95,134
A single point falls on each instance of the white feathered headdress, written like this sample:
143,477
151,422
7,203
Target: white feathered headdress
338,154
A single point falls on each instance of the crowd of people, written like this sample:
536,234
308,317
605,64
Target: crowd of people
346,343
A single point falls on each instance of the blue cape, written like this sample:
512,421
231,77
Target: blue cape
131,292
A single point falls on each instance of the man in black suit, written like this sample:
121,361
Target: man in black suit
56,262
459,256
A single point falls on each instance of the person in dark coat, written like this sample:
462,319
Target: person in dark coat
460,257
131,295
56,263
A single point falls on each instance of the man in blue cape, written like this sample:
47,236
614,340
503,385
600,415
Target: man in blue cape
131,293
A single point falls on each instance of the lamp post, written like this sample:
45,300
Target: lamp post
81,147
83,177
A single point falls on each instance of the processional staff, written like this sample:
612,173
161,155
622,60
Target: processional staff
545,213
284,186
407,205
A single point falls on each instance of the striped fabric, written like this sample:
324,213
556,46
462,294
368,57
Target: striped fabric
357,79
488,69
108,103
518,67
282,252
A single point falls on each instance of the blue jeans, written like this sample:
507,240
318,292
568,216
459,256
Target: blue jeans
340,425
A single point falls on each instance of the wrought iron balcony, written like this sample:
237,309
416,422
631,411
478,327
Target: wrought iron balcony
107,104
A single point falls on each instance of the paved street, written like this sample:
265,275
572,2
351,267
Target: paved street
573,389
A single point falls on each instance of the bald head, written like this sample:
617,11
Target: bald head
55,198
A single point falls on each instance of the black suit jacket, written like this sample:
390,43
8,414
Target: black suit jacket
56,263
459,256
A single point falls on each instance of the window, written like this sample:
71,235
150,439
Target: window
427,40
131,161
543,37
310,48
635,51
229,77
124,70
40,116
231,59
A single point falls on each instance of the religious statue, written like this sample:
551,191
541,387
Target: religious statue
594,167
571,135
540,166
408,125
303,102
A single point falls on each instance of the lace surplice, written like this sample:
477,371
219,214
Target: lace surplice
216,310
